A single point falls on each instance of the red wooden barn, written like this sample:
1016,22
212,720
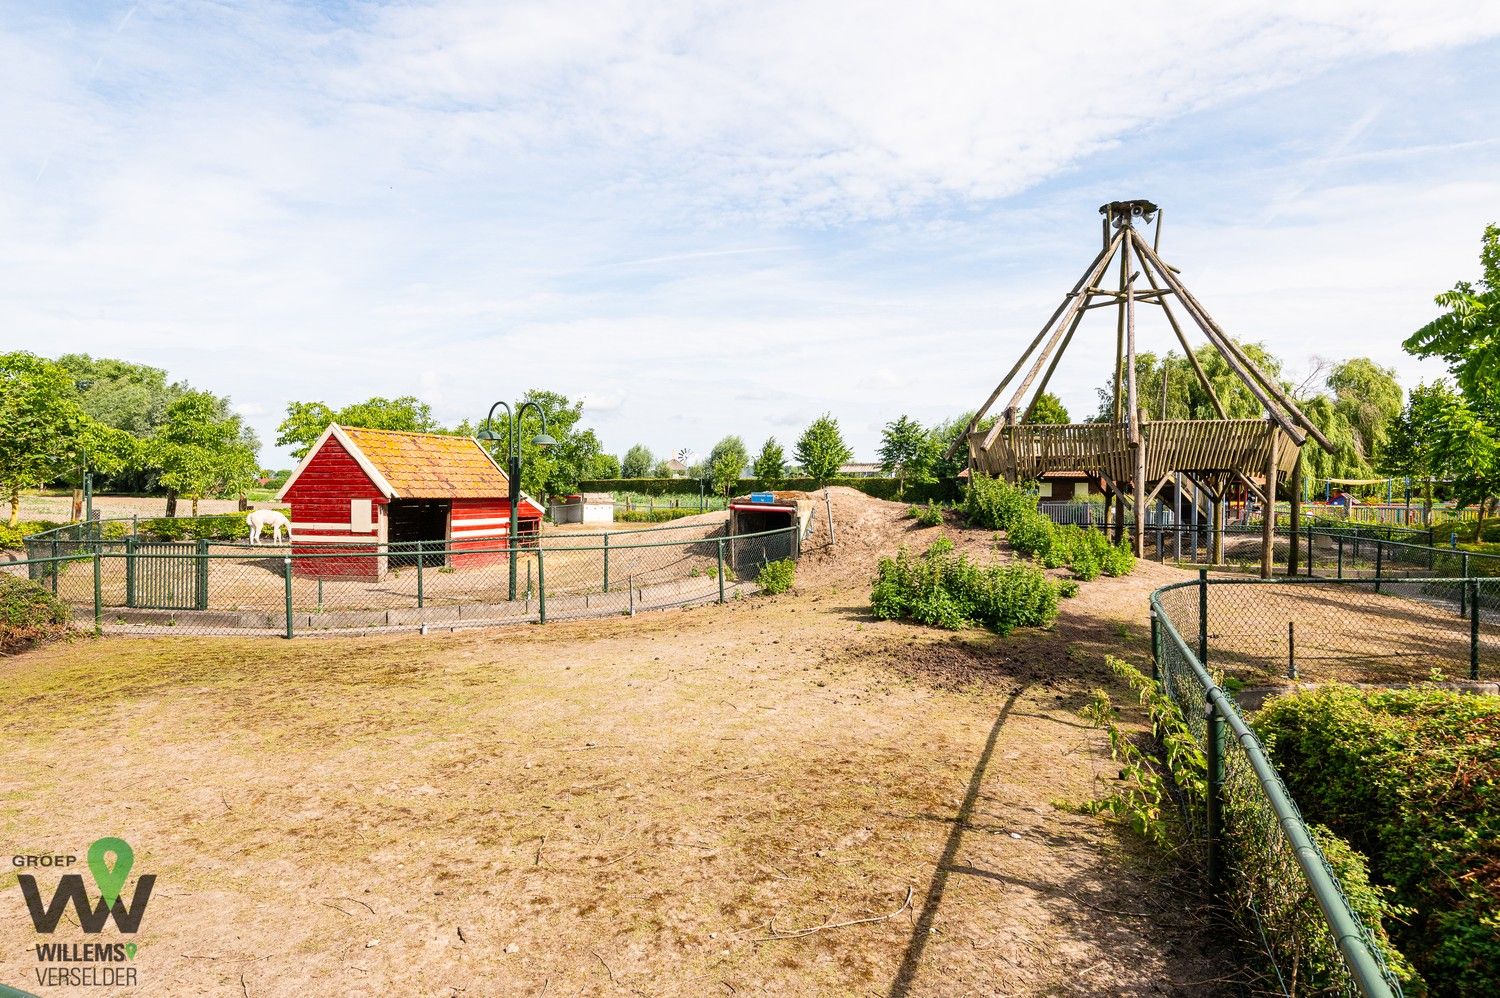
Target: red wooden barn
359,491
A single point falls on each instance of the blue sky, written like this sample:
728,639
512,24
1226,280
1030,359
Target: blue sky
712,218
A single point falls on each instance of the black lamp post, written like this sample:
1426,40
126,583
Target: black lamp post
513,465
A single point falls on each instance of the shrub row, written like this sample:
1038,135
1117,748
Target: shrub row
652,515
998,505
879,488
948,590
1411,778
29,615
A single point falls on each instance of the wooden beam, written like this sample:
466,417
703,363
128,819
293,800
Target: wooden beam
1268,383
1296,524
1268,514
1226,350
1071,296
1072,306
1057,356
1192,357
1132,402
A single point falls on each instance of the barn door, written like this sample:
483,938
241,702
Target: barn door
166,575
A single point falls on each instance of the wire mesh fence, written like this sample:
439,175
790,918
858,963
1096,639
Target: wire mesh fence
1263,859
144,585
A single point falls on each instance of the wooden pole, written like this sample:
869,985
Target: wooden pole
1192,357
1226,349
1296,524
1074,303
1269,384
1071,296
1268,514
1120,326
1139,541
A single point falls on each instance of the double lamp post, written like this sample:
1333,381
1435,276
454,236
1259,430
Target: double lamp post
513,464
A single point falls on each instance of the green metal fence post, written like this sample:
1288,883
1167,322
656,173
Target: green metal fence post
606,563
1379,547
1309,554
1339,540
53,566
1473,628
1155,647
286,574
200,575
1463,592
130,543
1215,753
1203,616
541,586
721,569
420,594
99,596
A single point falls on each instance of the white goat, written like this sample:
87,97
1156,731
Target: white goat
263,518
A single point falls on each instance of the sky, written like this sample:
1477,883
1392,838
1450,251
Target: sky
708,218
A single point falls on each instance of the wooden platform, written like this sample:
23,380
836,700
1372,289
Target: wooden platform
1022,453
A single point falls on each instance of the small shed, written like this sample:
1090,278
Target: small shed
584,507
373,493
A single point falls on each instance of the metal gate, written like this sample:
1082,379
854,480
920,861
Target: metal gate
166,575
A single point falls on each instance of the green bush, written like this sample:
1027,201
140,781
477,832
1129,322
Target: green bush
1166,777
1412,779
930,515
1032,534
29,615
14,538
218,527
652,515
777,576
943,589
996,504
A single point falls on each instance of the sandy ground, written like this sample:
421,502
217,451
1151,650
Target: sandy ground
685,803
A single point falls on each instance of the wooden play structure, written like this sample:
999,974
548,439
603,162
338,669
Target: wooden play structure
1199,460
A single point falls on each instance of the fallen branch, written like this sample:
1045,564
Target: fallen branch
798,933
611,973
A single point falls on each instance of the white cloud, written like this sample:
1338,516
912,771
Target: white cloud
708,218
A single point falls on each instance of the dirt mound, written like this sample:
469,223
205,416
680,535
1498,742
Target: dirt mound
865,529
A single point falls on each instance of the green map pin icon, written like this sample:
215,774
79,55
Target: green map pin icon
130,950
110,881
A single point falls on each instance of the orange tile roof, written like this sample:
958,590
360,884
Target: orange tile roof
430,465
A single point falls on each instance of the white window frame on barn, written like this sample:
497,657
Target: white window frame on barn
361,516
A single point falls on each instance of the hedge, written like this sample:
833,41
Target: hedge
880,488
1411,778
29,615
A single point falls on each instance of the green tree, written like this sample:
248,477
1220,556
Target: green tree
638,462
604,466
950,433
117,393
203,449
1411,448
1369,398
821,450
1467,335
661,469
1049,409
558,470
905,449
40,423
726,462
306,421
770,463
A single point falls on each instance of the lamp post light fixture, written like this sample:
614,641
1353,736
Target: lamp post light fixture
513,465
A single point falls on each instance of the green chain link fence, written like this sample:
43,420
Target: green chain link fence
135,584
1263,860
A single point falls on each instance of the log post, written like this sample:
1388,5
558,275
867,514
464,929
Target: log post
1296,523
1268,515
1138,542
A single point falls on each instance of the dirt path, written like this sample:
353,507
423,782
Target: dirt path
606,807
